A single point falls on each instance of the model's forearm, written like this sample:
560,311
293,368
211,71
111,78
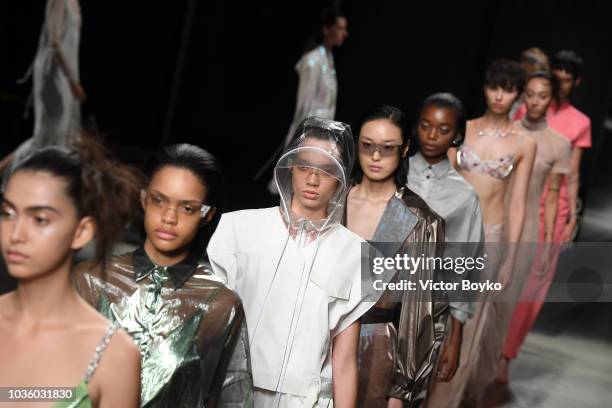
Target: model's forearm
573,180
345,370
573,186
345,379
550,214
456,332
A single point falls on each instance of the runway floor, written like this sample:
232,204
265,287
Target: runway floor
565,362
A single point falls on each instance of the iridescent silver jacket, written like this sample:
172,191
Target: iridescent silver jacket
412,331
317,89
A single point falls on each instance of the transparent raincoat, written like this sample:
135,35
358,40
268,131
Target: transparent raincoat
299,278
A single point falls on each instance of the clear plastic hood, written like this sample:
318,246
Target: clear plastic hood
319,158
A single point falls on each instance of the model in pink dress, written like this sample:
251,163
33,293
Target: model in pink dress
576,127
551,163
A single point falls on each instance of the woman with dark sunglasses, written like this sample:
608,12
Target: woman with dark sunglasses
399,341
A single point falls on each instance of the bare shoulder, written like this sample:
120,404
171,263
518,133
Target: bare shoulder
470,125
118,369
122,350
117,378
122,353
472,122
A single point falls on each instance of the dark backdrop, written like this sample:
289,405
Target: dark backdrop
220,74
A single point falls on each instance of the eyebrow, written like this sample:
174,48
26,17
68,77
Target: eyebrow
37,208
384,141
31,209
193,202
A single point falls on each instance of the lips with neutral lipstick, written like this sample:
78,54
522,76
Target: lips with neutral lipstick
375,169
310,195
428,148
165,235
14,257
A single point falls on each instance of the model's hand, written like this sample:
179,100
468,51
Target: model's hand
568,232
395,403
449,362
545,260
505,274
78,91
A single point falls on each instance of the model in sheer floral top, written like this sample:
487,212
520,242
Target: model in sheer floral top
495,152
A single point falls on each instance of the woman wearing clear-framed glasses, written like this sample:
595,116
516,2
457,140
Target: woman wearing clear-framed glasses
190,328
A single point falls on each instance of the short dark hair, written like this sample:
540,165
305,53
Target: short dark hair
329,15
327,18
506,74
449,101
201,164
568,61
205,167
397,118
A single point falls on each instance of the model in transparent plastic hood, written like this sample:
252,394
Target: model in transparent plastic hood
312,177
297,270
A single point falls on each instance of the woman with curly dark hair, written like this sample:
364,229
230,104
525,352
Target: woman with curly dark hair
55,202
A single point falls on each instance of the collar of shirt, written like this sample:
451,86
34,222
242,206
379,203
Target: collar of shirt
177,273
422,167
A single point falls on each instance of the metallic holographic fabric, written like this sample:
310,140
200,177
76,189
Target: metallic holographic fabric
189,326
398,352
317,89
